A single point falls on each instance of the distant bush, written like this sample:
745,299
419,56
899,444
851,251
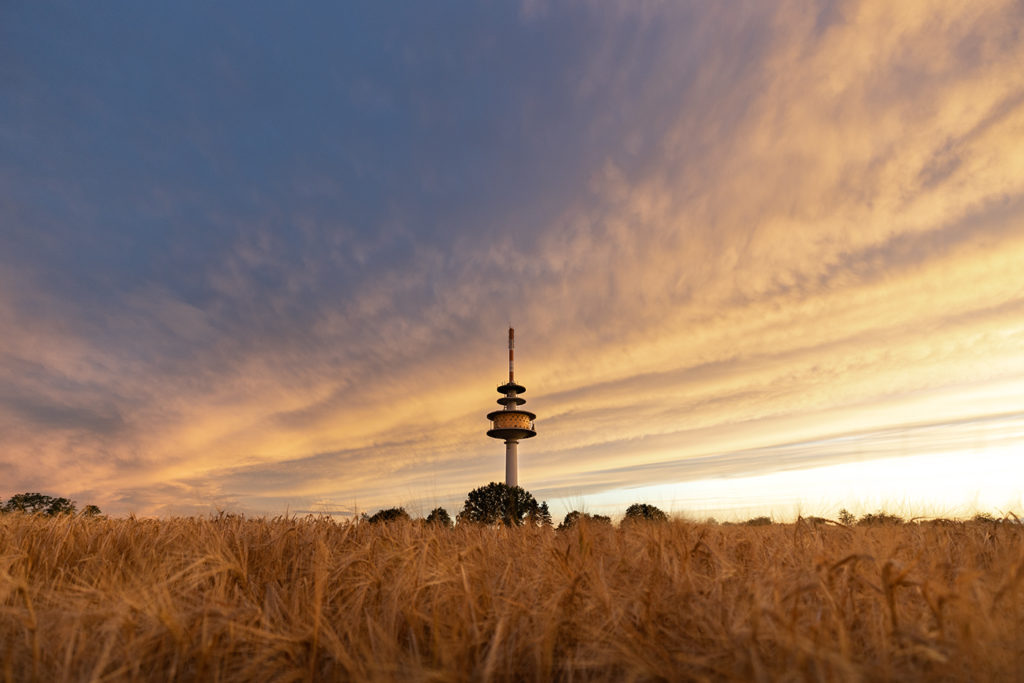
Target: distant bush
575,516
644,512
879,518
388,515
440,517
758,521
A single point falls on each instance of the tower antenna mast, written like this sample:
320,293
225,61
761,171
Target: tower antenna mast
511,351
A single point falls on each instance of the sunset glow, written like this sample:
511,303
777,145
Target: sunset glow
761,258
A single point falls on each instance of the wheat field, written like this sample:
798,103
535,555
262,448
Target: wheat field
291,599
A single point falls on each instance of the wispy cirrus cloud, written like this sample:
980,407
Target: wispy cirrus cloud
272,270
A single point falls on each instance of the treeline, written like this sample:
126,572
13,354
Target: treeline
879,518
40,504
513,506
498,503
507,505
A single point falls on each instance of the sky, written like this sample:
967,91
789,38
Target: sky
761,257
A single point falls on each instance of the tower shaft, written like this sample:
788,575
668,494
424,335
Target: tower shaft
512,463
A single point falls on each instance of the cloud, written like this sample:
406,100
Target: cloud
275,271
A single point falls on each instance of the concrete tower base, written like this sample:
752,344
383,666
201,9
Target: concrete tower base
511,463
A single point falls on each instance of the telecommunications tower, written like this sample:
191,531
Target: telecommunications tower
511,423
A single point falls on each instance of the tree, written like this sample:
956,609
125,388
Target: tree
60,506
37,503
440,517
846,517
644,512
541,516
91,511
758,521
502,504
574,517
388,515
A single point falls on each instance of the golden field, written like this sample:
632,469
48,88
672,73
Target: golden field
230,599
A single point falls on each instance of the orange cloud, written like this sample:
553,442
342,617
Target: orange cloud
808,226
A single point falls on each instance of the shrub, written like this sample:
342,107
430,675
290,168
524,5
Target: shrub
440,517
575,516
644,512
879,518
758,521
388,515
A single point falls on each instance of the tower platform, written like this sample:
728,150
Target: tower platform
511,424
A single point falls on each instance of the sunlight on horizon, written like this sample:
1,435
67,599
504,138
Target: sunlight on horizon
952,484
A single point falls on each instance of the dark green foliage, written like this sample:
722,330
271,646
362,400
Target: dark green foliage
388,515
91,511
575,516
846,517
877,518
759,521
37,503
440,517
541,516
644,512
503,504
